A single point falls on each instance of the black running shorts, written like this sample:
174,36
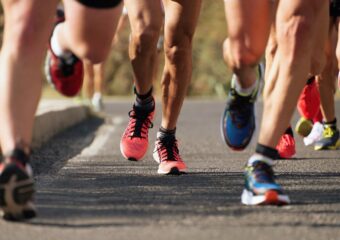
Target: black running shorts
100,3
335,8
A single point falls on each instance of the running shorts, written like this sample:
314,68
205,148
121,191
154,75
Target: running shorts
335,8
100,3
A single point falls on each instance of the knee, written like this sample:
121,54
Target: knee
238,55
24,36
178,49
94,53
144,39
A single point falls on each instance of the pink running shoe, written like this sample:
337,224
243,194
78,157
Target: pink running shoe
135,141
167,155
286,146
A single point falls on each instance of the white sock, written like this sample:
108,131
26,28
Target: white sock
243,91
97,95
259,157
55,46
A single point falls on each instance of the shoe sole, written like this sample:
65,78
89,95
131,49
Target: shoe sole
173,171
16,194
132,159
303,128
335,147
270,198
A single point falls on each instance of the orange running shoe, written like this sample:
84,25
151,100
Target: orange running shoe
135,141
286,146
166,153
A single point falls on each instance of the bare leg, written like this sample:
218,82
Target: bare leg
99,77
294,21
88,79
328,77
146,19
247,39
180,23
84,26
21,57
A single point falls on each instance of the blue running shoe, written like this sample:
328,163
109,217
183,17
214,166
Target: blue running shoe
238,119
260,186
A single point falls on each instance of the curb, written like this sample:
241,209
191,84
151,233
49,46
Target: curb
54,116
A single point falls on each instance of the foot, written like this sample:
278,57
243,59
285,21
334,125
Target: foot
330,139
16,187
166,153
64,74
238,120
315,135
135,141
260,186
286,146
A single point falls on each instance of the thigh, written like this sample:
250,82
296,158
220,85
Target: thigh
92,25
248,22
181,18
144,14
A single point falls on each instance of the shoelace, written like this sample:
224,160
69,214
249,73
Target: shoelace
240,109
328,132
139,124
263,172
168,149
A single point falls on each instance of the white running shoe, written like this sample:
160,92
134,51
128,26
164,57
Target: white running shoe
315,135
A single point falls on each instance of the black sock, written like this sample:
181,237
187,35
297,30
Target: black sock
331,124
164,133
145,101
310,80
289,131
268,152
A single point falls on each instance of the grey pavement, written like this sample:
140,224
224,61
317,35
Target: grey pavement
54,116
86,190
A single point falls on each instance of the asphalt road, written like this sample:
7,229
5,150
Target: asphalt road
86,190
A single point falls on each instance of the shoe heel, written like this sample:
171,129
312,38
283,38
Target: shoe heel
16,190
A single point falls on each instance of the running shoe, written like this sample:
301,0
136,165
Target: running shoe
135,141
303,127
166,153
260,186
329,141
309,101
315,135
238,119
286,146
16,187
65,75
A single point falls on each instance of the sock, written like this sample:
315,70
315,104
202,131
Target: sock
144,102
163,133
264,154
55,46
97,95
235,83
289,131
331,124
310,80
